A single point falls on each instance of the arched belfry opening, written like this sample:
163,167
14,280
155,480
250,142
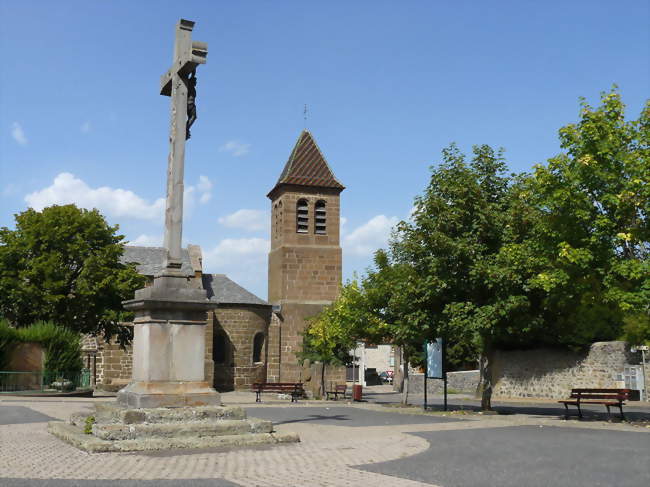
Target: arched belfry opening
302,216
320,218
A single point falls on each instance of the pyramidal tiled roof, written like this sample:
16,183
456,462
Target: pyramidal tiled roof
307,166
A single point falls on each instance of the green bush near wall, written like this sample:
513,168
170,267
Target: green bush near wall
62,346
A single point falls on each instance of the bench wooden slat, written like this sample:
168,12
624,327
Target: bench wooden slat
338,389
606,397
294,388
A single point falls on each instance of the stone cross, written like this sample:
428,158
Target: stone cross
175,82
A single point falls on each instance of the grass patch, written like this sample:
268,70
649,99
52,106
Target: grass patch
88,425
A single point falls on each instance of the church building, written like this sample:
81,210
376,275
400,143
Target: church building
248,339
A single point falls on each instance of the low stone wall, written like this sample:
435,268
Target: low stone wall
553,373
312,377
465,381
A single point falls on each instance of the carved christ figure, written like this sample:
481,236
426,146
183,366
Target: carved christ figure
191,102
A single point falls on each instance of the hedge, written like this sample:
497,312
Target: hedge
62,346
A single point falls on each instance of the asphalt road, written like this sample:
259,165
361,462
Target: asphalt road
531,456
21,415
339,416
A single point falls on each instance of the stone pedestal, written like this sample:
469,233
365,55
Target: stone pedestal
115,428
169,346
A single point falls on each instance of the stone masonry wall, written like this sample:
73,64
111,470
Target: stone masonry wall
464,381
114,364
241,323
273,350
289,336
553,373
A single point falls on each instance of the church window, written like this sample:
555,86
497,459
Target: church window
219,348
321,218
258,345
302,216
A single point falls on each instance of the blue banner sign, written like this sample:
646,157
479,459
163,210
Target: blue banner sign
433,352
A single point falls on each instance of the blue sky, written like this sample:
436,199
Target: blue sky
388,85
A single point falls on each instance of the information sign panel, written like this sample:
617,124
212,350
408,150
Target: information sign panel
433,352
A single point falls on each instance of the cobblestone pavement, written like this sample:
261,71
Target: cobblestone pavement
328,454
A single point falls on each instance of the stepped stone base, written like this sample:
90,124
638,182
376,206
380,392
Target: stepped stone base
117,428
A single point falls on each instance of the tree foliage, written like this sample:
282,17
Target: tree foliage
488,260
334,332
62,265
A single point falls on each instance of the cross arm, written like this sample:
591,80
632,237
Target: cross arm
184,67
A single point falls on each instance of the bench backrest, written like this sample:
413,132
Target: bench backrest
341,388
611,394
277,386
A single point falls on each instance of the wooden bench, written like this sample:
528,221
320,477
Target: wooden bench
338,389
606,397
294,388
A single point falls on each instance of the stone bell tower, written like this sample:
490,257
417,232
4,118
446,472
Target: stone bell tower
305,260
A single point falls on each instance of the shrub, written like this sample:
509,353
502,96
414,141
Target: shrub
62,346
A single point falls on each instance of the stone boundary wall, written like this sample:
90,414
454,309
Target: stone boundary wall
311,376
464,381
552,373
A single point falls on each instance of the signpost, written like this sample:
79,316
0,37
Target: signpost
435,366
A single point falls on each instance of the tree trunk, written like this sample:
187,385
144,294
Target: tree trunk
322,381
405,382
487,362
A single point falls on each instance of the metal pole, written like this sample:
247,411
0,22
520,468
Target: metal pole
444,368
645,382
426,372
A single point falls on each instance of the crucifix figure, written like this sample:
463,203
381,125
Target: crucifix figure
191,102
179,82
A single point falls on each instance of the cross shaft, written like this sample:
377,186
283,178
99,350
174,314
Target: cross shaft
174,83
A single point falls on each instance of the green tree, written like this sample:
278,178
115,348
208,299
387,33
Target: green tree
62,265
591,230
452,242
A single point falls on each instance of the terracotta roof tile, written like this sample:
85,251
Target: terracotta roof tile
307,166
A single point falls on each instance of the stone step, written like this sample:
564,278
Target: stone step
110,412
196,429
90,443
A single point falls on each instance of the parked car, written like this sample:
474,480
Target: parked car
386,377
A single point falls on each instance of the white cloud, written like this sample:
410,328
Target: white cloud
201,191
67,188
205,188
235,147
114,202
343,227
370,236
251,220
18,133
85,127
204,183
147,240
244,260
